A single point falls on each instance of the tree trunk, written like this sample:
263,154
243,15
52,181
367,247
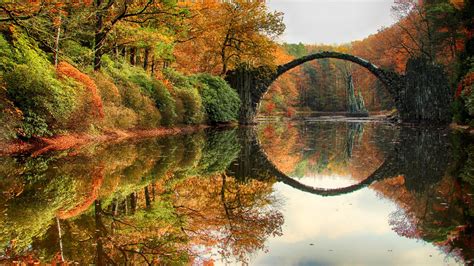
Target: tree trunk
145,58
133,56
56,44
153,65
147,197
98,37
123,51
133,202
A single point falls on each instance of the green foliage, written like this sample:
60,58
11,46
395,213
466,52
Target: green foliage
221,102
10,117
137,91
33,87
178,79
296,50
192,108
6,55
220,150
45,100
165,103
107,89
189,107
77,53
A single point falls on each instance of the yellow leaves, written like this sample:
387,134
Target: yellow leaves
226,34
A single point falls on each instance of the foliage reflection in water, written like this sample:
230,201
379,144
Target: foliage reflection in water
289,193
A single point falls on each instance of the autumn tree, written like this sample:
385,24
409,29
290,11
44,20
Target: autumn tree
229,33
110,12
427,28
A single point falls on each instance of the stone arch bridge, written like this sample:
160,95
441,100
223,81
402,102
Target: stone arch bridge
421,94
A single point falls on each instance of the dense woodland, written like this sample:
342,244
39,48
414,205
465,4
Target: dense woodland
104,65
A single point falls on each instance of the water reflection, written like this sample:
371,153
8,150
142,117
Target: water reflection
224,196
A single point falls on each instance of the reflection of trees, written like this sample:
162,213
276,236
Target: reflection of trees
349,149
134,203
430,192
236,217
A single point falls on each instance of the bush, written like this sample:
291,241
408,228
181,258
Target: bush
142,105
178,79
119,117
107,89
10,116
137,88
221,102
192,108
189,106
94,101
78,54
43,99
33,87
148,115
165,103
7,57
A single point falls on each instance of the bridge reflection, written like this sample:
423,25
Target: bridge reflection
420,155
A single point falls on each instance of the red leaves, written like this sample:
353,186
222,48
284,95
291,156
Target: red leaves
465,84
66,70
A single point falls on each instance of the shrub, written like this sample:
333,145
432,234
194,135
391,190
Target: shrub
165,103
107,89
119,117
221,102
192,108
7,57
141,104
43,99
142,79
148,115
79,54
137,88
10,116
189,106
33,87
178,79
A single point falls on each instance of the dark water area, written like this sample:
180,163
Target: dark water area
280,193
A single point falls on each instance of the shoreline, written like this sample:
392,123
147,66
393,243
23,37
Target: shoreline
38,146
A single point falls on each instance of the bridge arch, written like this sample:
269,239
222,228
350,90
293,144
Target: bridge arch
254,163
386,77
380,173
253,83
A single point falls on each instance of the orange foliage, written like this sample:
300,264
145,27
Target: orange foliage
98,177
465,84
66,70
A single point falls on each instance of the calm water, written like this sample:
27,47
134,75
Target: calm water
306,193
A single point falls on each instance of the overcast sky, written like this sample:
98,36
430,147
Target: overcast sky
332,21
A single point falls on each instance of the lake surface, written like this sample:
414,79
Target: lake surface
280,193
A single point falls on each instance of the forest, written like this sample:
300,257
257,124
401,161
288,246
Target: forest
95,67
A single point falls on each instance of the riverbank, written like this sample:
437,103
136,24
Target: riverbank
38,146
